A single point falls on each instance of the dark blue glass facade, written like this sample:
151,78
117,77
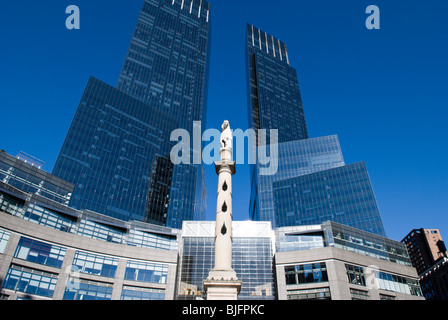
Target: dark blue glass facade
295,158
312,183
167,67
117,149
109,151
342,194
274,100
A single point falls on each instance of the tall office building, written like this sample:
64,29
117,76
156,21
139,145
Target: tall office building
119,166
312,184
166,65
274,100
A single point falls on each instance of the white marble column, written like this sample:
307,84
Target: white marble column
222,282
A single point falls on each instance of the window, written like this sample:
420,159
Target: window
95,264
359,294
355,275
140,293
387,297
100,231
143,239
11,205
4,237
49,218
147,272
395,283
40,252
306,273
80,289
310,294
30,281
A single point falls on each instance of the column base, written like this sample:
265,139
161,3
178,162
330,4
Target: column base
222,290
222,285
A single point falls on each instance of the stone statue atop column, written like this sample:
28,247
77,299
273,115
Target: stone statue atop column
222,282
226,135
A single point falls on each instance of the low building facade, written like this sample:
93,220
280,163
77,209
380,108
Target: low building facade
49,250
39,263
336,262
335,274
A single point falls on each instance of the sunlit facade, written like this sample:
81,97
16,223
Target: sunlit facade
49,250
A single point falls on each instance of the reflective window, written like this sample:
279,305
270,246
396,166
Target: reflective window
309,294
295,158
30,281
396,283
359,294
355,275
4,237
147,272
49,218
306,273
151,240
80,289
95,264
100,231
11,205
368,244
140,293
40,252
292,242
387,297
343,194
27,181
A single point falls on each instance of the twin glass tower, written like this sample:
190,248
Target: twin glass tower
117,150
312,184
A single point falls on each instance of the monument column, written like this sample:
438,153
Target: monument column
222,282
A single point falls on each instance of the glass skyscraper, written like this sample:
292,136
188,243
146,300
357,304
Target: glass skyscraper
274,100
166,65
312,183
124,171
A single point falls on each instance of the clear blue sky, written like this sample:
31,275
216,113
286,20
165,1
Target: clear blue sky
383,92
